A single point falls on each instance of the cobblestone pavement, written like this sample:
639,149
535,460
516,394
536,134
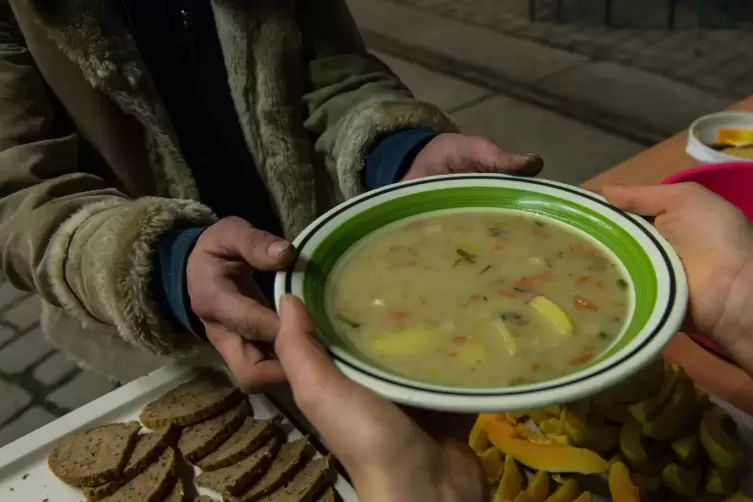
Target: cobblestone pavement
37,382
715,58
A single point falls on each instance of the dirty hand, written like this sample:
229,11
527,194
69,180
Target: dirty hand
227,301
386,454
715,243
456,153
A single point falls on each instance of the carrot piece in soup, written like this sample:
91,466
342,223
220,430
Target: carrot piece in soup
400,315
584,358
540,232
582,303
531,280
583,280
507,293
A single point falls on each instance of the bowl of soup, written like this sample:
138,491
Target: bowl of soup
486,292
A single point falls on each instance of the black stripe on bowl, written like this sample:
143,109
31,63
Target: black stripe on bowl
511,392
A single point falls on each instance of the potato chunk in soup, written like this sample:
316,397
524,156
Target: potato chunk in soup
478,299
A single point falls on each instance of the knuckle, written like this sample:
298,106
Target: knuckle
486,143
687,192
227,228
485,146
255,237
250,331
202,306
203,300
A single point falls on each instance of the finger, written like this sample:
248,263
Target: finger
338,408
260,249
491,158
528,164
301,356
243,315
253,371
651,200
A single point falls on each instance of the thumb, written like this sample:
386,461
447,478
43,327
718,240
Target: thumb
317,384
263,251
527,164
648,201
338,408
484,155
296,346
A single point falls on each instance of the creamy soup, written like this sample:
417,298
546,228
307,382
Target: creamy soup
478,299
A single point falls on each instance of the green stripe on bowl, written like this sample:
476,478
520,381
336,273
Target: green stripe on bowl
326,255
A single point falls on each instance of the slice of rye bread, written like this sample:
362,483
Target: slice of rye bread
178,494
246,440
309,481
198,440
283,468
152,485
203,397
327,496
95,456
238,477
148,447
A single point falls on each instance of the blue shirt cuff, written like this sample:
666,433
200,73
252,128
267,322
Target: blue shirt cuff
169,284
393,155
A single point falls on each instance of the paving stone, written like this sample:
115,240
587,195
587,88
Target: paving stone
637,38
14,399
24,352
5,334
636,94
25,314
86,387
9,294
31,420
54,368
519,60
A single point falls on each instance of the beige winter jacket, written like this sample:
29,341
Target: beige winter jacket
91,172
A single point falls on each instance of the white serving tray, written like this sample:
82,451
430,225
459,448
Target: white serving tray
24,476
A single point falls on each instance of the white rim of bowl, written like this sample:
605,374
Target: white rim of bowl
665,320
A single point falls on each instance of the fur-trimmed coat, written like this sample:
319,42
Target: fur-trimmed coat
91,172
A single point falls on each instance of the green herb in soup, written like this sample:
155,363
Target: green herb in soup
478,299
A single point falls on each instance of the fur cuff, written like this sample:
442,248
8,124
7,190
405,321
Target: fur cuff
101,264
364,126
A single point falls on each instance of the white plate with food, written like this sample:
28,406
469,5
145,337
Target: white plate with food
147,439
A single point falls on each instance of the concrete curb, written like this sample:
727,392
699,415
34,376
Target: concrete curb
628,102
639,132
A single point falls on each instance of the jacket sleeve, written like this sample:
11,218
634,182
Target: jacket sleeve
69,236
354,99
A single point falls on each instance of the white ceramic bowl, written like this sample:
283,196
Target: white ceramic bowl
703,131
658,288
